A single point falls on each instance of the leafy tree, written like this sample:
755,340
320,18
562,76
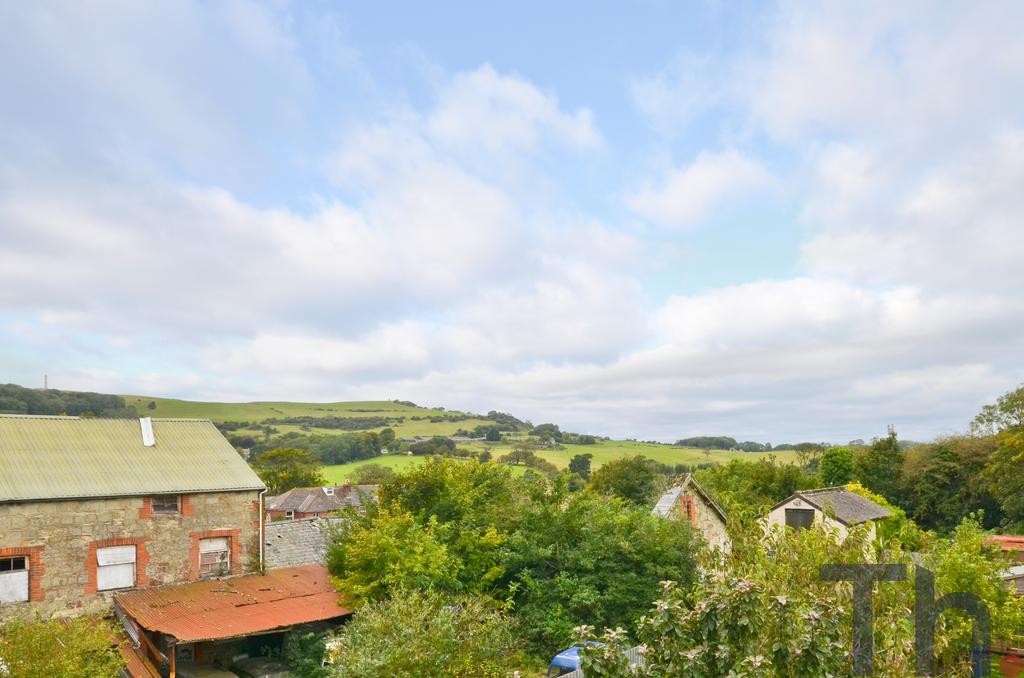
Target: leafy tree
631,478
485,455
436,445
304,652
1007,412
547,432
387,438
586,558
421,633
878,468
580,465
373,474
20,400
753,486
77,648
288,467
561,559
943,481
371,560
708,442
1005,474
770,615
836,467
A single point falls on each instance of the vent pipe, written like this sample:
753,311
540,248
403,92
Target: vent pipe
148,438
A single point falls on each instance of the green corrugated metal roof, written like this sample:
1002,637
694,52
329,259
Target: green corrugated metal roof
68,457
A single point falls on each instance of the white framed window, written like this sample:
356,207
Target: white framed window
214,557
14,579
290,515
167,504
115,567
329,491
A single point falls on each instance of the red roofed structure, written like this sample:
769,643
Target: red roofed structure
164,621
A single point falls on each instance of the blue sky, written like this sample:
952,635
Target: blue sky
775,221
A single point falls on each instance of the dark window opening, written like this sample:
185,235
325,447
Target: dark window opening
166,504
800,519
13,564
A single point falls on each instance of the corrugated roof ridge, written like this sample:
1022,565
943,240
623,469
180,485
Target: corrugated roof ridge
15,415
75,417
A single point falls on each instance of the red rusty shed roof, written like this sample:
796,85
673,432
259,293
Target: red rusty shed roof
1007,542
229,608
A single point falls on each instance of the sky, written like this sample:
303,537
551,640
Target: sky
778,222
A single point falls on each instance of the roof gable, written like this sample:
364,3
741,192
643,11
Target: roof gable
668,501
72,458
848,507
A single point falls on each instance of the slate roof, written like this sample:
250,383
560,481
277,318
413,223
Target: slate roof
297,542
669,501
49,457
317,500
849,507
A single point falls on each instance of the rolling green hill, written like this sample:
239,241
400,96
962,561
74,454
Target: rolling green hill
411,420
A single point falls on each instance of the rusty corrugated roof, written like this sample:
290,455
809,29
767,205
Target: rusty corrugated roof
44,457
241,606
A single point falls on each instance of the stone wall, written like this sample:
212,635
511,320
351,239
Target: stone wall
62,537
708,522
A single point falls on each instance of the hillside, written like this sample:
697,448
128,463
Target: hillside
408,420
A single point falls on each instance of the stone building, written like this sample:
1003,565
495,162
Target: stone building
90,507
291,543
313,502
836,508
688,500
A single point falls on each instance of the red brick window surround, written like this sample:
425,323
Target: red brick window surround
157,506
141,560
36,569
234,545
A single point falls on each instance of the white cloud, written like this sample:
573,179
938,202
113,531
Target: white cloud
485,111
437,262
687,194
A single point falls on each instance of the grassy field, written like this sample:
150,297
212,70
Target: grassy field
258,411
604,451
340,473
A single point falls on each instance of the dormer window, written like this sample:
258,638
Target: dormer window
329,491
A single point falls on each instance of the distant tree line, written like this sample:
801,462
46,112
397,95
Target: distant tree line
724,443
16,399
339,423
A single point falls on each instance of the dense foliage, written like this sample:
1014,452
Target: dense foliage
558,558
16,399
767,613
746,487
635,479
422,633
87,649
286,468
836,466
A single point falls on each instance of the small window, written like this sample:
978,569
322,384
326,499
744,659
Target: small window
800,519
316,515
167,504
115,567
329,491
14,579
289,514
213,557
